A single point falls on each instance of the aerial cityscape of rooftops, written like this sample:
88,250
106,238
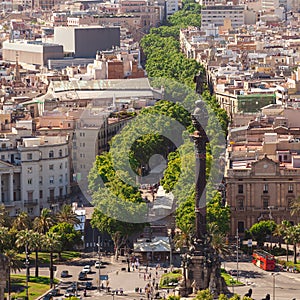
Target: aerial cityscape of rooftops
150,149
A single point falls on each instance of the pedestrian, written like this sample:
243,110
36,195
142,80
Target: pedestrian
149,275
141,290
144,277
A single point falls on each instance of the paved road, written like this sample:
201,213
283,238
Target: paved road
287,285
118,278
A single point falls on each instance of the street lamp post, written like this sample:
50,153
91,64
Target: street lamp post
27,269
274,275
99,259
128,266
237,254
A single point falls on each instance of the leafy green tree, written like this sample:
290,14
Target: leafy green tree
66,215
118,230
218,214
44,221
259,231
69,237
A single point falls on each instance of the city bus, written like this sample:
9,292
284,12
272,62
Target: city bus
263,260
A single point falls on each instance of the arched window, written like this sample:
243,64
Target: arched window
51,153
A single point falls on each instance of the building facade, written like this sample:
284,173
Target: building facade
34,173
218,14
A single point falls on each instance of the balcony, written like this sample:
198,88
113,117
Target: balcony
31,202
8,203
52,200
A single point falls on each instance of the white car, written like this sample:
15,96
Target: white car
98,264
87,269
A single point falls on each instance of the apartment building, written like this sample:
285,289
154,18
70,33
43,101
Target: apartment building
34,173
218,14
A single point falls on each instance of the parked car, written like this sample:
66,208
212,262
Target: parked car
87,269
48,297
82,276
234,272
69,292
98,264
54,292
88,285
64,274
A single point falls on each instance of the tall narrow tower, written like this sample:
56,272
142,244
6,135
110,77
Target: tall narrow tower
204,268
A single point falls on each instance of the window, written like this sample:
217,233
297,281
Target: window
29,156
60,153
61,166
51,154
241,227
265,188
29,181
41,168
30,196
60,179
240,203
29,170
240,189
291,188
51,167
41,180
265,203
18,211
51,179
41,194
30,210
2,157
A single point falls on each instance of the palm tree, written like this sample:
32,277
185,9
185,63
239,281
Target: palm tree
217,240
293,235
5,239
66,215
22,221
14,264
37,241
25,240
44,222
52,244
5,219
295,207
282,230
182,238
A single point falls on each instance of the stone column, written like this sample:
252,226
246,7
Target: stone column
11,186
3,274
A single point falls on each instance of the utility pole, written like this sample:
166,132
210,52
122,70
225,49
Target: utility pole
99,259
